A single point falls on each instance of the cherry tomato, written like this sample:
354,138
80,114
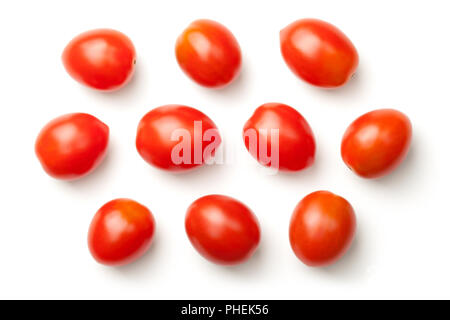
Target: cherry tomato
376,143
322,228
318,53
208,53
176,137
278,136
120,232
222,229
102,59
72,145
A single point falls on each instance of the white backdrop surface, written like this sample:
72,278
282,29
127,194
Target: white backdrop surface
401,246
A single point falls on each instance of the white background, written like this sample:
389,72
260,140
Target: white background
401,248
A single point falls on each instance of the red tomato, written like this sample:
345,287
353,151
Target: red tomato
293,145
102,59
120,232
208,53
72,145
376,143
318,52
222,229
176,137
322,228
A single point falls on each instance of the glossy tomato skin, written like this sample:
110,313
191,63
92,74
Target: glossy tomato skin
155,141
322,228
376,143
296,142
101,59
222,229
208,53
318,53
120,232
72,145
